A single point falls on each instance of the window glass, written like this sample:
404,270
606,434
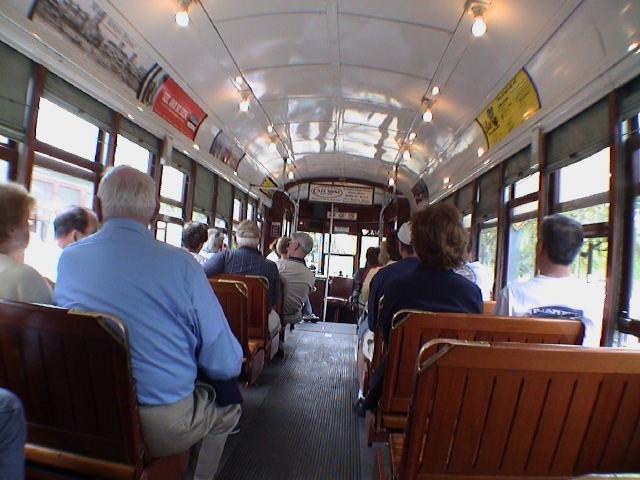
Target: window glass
341,255
315,256
588,215
522,252
250,211
237,210
170,233
172,183
170,210
4,170
200,217
129,153
634,301
340,265
221,225
487,247
525,208
466,221
527,185
585,178
343,243
62,129
53,192
4,140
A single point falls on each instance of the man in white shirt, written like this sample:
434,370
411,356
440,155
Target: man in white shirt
553,293
297,278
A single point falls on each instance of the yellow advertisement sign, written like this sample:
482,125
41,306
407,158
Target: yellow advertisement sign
516,102
269,185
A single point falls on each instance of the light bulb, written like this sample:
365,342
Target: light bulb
479,26
435,90
406,155
412,136
480,151
392,182
182,17
290,175
427,116
273,147
270,128
244,104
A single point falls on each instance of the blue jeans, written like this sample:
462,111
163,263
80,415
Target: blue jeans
12,436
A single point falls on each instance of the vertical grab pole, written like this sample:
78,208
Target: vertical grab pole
326,283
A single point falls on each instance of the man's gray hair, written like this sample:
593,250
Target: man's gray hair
128,193
304,241
248,242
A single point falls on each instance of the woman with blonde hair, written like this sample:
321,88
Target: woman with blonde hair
18,282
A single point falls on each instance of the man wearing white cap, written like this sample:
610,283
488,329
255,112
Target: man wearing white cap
247,260
406,265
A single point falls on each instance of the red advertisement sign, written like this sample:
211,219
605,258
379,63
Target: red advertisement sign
177,108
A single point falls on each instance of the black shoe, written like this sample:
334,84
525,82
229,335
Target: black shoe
358,407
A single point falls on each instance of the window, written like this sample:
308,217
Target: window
4,170
237,210
523,236
172,183
170,233
366,242
200,217
128,153
314,258
250,211
341,254
487,244
62,129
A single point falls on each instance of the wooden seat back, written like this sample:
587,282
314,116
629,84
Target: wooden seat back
258,296
412,329
340,289
72,372
511,410
233,297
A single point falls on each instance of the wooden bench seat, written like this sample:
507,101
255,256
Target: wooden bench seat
508,410
72,373
233,297
258,297
411,329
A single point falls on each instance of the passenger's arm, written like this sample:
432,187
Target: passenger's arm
215,264
372,305
502,303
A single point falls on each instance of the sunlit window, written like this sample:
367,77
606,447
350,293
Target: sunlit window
62,129
367,242
200,217
170,210
250,211
523,236
585,178
170,233
172,183
527,185
341,254
237,210
4,170
129,153
487,246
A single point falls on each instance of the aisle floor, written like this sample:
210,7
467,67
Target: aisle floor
297,421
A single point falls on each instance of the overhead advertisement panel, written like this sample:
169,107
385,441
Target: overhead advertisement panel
340,194
516,102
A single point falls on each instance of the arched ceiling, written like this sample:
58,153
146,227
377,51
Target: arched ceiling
344,82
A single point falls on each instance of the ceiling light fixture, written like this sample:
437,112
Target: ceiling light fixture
480,152
406,155
244,104
290,175
633,46
196,146
270,128
412,136
477,9
435,90
392,182
182,15
446,180
427,116
239,79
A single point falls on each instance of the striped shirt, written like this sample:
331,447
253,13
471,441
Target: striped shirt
246,261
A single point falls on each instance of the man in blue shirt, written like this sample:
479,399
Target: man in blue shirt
247,260
406,265
179,339
12,436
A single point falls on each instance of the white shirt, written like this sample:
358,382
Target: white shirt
21,283
519,299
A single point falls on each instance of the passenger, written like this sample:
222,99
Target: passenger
440,242
184,356
273,251
297,278
554,292
214,243
247,260
18,282
406,265
282,247
479,274
357,300
194,234
72,224
12,436
389,254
